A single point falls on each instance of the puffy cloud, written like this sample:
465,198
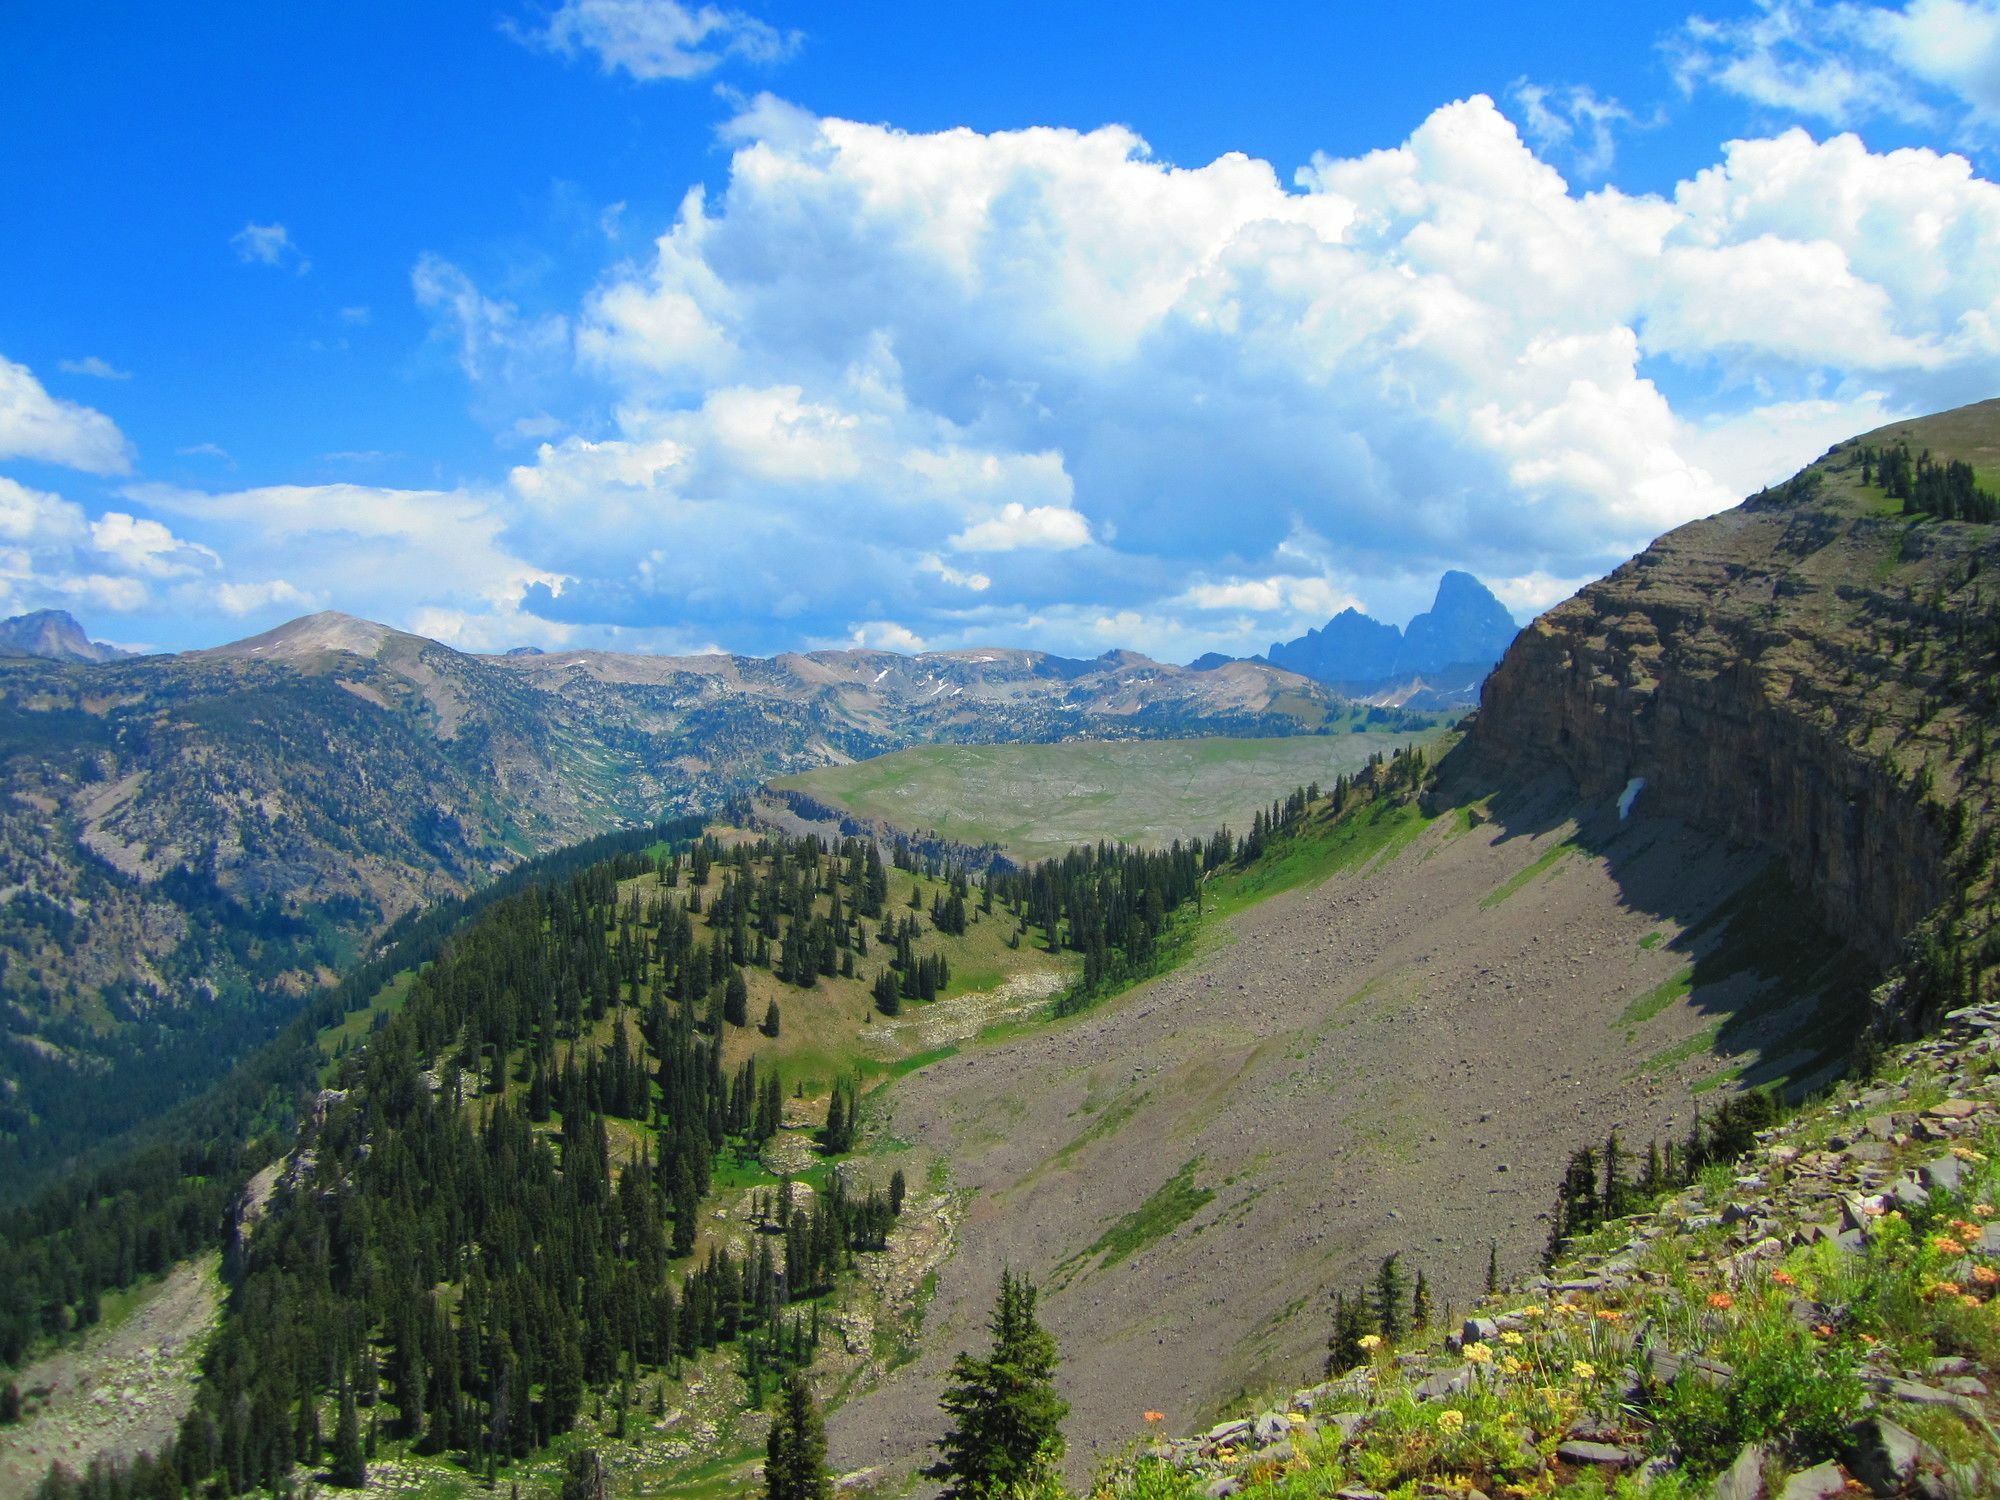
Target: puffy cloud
1105,375
1039,386
886,635
35,425
268,245
1041,528
654,39
53,554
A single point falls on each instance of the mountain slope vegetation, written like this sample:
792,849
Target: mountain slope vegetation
192,843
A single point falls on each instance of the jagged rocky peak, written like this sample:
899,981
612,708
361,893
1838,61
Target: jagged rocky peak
53,634
1466,627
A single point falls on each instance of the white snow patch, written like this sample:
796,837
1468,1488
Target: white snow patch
1630,795
879,676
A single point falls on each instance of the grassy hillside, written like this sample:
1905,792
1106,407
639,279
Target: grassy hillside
1034,801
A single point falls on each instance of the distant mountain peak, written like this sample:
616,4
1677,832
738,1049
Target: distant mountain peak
310,635
1466,626
53,634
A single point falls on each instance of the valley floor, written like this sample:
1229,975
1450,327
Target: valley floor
1400,1059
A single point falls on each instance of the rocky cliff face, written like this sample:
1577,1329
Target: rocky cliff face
1812,671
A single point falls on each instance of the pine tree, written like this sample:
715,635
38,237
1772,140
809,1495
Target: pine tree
771,1019
1006,1434
1392,1299
585,1479
1420,1305
1352,1322
1492,1267
897,1188
349,1469
795,1453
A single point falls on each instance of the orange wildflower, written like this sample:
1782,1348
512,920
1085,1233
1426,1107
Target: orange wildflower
1721,1299
1784,1278
1156,1416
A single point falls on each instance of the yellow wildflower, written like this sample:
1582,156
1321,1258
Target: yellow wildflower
1583,1369
1513,1337
1966,1153
1512,1365
1984,1210
1370,1341
1533,1310
1451,1421
1478,1354
1296,1418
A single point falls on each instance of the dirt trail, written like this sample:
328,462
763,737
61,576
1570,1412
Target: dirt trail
1393,1061
122,1391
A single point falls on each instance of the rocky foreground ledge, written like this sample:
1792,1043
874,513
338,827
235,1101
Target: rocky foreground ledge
1819,1319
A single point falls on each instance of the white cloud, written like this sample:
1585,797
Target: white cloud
249,598
35,425
938,568
1041,528
268,245
1846,62
207,450
1173,408
654,39
358,316
145,547
1573,121
95,368
52,553
886,635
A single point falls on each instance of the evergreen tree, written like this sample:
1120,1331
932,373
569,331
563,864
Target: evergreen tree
1492,1267
795,1453
1352,1322
585,1478
897,1188
1392,1299
1420,1305
1006,1434
10,1401
349,1469
771,1019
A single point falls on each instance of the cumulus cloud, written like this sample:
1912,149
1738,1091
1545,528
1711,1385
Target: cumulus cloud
1845,63
1039,386
1203,403
52,553
655,39
268,245
1041,528
35,425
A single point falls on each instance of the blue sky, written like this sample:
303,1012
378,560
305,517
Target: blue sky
628,322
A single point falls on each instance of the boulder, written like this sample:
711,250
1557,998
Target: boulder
1883,1456
1817,1483
1743,1479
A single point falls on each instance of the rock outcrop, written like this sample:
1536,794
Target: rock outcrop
1810,672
